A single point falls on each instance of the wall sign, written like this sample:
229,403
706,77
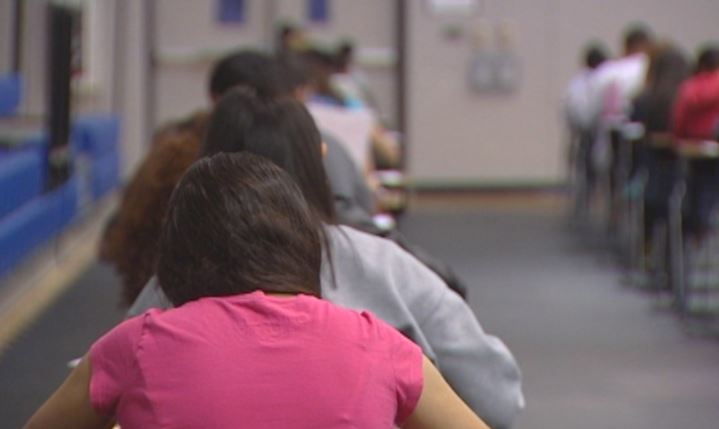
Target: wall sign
494,66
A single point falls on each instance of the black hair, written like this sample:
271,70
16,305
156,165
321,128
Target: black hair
322,65
344,54
636,38
668,68
594,56
708,59
247,68
281,130
236,223
286,31
294,70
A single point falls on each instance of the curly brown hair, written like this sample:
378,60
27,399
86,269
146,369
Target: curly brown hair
130,239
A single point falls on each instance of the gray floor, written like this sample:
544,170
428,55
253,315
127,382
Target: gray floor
594,354
35,364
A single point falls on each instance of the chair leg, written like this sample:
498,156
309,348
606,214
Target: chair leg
676,249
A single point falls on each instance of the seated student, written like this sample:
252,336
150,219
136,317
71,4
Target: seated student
349,80
250,343
614,86
696,113
356,124
697,106
362,271
130,240
668,68
578,109
618,81
351,195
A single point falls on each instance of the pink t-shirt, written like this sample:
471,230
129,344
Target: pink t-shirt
256,361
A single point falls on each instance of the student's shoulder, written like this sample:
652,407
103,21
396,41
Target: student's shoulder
353,324
350,236
196,124
179,133
175,146
383,260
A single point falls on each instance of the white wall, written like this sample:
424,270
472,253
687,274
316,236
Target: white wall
189,40
34,58
132,81
458,137
96,92
6,19
370,24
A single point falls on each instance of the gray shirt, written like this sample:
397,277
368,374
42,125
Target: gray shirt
371,273
353,200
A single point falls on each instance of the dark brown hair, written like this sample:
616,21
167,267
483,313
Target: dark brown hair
236,223
280,130
249,69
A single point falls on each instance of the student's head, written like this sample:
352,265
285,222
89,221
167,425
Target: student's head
322,66
237,223
296,76
637,39
708,59
345,55
594,56
280,130
249,69
290,38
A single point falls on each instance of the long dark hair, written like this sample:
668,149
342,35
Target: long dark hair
668,68
236,223
280,130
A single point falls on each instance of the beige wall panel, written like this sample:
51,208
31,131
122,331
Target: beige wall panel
6,19
459,137
34,57
189,39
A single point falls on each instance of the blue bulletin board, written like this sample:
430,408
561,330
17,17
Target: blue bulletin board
318,11
231,11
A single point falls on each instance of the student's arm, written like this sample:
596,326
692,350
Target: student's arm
69,407
478,366
439,407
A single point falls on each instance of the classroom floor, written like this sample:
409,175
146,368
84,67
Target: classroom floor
594,353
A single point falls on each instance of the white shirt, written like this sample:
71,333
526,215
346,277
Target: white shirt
615,84
578,105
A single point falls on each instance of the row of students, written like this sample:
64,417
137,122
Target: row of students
357,270
653,84
599,100
249,343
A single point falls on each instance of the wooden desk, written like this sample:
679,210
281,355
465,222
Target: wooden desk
698,149
661,140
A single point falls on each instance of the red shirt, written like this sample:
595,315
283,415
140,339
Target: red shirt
696,110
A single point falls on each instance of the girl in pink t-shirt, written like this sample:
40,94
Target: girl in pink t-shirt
249,344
